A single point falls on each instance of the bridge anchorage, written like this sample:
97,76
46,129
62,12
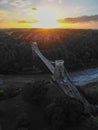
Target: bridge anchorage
62,78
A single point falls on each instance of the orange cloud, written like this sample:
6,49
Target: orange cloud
14,25
32,21
81,19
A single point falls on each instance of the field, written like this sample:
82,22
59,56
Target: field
28,97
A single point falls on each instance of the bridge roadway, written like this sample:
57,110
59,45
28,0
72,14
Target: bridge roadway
45,60
66,83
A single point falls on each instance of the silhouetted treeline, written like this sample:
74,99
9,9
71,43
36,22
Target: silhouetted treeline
78,48
14,58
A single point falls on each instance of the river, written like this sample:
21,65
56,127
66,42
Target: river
79,78
84,77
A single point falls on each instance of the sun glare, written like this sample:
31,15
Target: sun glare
47,18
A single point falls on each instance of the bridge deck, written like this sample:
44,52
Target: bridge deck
66,83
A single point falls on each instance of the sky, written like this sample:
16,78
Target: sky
49,14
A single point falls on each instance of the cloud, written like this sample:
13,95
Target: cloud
3,1
26,21
60,1
4,14
78,10
17,10
52,1
21,9
34,9
23,21
81,19
2,21
21,3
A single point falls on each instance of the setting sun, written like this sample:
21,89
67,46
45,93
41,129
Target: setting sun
47,18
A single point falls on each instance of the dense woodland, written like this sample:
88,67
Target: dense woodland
39,105
78,48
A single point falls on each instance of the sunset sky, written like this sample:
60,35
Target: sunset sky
49,14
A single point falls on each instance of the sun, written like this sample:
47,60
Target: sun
47,18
